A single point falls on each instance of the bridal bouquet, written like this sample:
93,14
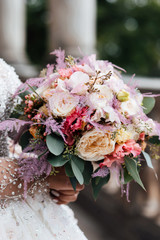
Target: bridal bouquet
81,115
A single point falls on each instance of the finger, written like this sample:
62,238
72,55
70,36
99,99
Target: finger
68,192
59,202
79,187
54,193
62,182
59,183
65,198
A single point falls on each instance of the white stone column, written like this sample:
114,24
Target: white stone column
72,24
12,30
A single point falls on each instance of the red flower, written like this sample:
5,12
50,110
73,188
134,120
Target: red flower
74,122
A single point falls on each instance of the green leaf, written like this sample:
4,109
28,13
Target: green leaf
87,173
57,161
25,139
68,170
77,172
55,144
131,166
127,177
154,140
148,159
148,104
15,114
23,94
98,183
73,181
78,161
149,162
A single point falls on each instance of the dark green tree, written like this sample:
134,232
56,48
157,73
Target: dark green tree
128,34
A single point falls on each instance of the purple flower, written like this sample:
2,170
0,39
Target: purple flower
102,172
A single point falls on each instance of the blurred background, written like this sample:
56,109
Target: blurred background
127,33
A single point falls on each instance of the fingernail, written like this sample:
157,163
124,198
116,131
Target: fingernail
56,194
55,200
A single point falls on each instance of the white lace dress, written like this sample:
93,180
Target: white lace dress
38,217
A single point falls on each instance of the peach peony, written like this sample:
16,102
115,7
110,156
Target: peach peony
94,145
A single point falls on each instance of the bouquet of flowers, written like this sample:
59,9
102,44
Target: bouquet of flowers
81,115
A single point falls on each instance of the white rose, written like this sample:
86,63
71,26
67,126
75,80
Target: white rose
98,115
139,98
103,67
41,90
61,86
76,79
48,93
45,85
94,145
112,115
102,98
97,101
116,83
105,91
87,69
130,106
62,103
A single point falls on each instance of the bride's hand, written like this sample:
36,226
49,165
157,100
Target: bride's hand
61,189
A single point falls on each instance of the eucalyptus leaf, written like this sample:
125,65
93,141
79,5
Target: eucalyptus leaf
97,185
78,161
148,159
55,144
23,94
127,177
132,169
87,173
77,172
57,161
149,162
73,181
148,104
68,170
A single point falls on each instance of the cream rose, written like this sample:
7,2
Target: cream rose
62,103
102,98
94,145
130,106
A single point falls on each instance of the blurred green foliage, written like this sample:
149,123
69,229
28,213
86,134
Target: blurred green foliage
129,34
36,30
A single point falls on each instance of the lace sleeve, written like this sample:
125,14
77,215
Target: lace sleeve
11,186
9,82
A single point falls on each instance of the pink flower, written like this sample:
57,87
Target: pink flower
142,136
132,147
73,123
78,78
109,160
129,147
77,68
65,72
